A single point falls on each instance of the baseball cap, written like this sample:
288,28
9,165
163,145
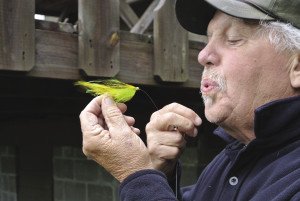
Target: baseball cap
194,15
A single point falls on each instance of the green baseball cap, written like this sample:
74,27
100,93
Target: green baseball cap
194,15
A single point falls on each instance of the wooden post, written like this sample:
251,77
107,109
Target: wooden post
17,40
99,40
170,44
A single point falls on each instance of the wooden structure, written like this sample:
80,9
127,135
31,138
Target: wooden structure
97,46
39,61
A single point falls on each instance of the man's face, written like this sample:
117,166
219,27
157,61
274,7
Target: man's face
242,72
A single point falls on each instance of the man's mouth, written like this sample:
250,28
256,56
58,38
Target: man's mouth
208,85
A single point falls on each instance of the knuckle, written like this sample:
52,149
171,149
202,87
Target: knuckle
168,117
178,138
86,150
173,105
81,114
151,150
154,115
188,124
148,127
127,130
151,127
113,112
176,152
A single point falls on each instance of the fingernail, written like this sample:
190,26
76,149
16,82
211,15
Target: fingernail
198,121
108,100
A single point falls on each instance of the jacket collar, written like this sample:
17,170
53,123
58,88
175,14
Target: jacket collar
277,117
272,120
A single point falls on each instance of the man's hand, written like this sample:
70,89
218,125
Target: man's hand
110,140
165,134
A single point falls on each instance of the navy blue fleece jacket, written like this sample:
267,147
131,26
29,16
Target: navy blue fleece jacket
268,168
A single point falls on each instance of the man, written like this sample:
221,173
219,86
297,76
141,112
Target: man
250,87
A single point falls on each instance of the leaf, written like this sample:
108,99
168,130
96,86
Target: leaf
119,91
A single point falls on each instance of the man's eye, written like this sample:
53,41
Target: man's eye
233,41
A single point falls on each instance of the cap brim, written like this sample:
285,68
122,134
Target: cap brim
194,15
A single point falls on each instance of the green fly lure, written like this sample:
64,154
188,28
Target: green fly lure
119,91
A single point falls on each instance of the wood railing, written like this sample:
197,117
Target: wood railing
99,48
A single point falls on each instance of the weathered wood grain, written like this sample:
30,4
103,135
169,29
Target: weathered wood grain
17,35
57,53
170,44
99,47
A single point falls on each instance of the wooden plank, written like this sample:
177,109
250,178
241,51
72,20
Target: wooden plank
128,14
144,22
170,45
35,177
56,57
17,35
99,47
56,50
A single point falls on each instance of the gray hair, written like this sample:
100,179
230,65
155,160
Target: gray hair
283,36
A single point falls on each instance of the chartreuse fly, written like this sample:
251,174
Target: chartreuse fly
119,91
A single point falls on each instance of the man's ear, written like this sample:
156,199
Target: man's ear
295,71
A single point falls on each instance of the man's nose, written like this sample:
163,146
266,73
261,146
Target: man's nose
208,56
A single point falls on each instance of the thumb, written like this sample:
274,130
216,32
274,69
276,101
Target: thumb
114,118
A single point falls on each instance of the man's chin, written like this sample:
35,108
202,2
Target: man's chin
207,101
218,108
213,115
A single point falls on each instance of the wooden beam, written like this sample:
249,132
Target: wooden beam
170,45
128,14
17,35
56,57
144,22
56,50
99,47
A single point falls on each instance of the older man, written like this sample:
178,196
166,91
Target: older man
250,87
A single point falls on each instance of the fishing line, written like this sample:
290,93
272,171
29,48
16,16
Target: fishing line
149,97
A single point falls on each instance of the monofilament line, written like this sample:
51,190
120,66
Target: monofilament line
149,97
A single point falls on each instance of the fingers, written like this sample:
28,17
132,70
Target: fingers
89,117
180,110
175,115
114,118
135,130
122,107
94,106
166,145
92,115
130,121
168,152
113,143
165,151
172,121
165,132
168,138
